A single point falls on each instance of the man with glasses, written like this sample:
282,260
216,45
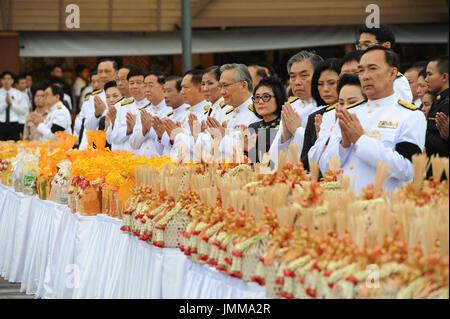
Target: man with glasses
383,36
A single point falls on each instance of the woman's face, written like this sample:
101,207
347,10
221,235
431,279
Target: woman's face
427,101
421,87
210,87
113,95
327,86
39,98
350,94
263,94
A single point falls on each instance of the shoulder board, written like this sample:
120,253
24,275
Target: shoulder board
96,92
207,107
119,100
170,113
399,74
407,105
143,107
127,102
293,100
229,111
222,104
59,107
331,107
355,104
86,98
250,107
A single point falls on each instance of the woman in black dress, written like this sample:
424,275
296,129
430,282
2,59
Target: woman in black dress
268,98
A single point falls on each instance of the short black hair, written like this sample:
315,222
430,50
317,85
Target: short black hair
196,74
56,65
354,55
79,68
160,76
21,76
56,80
7,72
114,62
136,72
332,64
419,66
129,67
214,69
56,90
92,73
391,57
176,78
109,84
34,91
348,79
422,73
278,90
382,34
442,63
268,66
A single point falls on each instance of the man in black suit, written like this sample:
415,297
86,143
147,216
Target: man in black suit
437,82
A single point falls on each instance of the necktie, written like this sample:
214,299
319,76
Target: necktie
8,109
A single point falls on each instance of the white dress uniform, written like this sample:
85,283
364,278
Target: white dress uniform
218,110
23,116
185,138
303,108
393,131
120,135
58,115
122,108
19,107
402,88
147,145
418,102
176,115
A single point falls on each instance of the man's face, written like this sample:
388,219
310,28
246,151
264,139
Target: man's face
57,72
21,85
172,97
50,99
375,75
190,91
7,81
434,78
367,40
300,77
350,67
84,74
136,84
412,76
29,81
122,82
153,90
231,90
106,72
95,82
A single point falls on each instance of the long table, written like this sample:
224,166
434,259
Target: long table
54,253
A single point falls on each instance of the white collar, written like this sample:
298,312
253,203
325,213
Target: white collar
217,102
246,103
388,99
198,106
141,102
54,106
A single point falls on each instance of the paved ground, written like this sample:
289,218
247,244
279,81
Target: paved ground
12,291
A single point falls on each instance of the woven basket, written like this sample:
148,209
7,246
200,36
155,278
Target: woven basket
250,260
272,288
172,232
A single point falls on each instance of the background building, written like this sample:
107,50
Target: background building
34,34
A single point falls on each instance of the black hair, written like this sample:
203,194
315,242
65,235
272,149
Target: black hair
354,55
442,63
278,90
391,57
419,66
34,91
348,79
56,80
176,78
7,72
79,68
129,67
56,65
21,76
136,72
382,34
268,66
56,90
93,72
114,62
214,69
109,84
261,72
196,74
332,64
160,76
422,73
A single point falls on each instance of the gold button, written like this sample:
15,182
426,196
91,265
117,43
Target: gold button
368,103
369,111
377,103
351,167
237,111
234,116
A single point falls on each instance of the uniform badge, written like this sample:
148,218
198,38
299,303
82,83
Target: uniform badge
373,134
387,124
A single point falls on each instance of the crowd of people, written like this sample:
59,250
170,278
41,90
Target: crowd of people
358,108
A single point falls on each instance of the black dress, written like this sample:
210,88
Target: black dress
266,134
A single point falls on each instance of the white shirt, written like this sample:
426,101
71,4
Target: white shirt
389,125
19,105
58,115
176,115
23,117
402,88
418,102
88,114
218,110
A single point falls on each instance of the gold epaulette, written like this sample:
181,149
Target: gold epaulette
119,100
222,104
399,74
251,108
97,92
229,111
127,102
170,113
331,107
355,104
143,107
293,100
407,105
86,98
59,106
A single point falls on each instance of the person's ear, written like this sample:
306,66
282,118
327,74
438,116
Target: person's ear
445,77
387,44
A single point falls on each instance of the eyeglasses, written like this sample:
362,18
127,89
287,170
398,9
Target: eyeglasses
265,97
365,45
225,86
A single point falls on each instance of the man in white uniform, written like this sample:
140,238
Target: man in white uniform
384,128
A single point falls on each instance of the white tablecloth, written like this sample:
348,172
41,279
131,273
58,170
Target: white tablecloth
57,254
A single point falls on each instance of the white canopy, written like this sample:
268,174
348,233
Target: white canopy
79,44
